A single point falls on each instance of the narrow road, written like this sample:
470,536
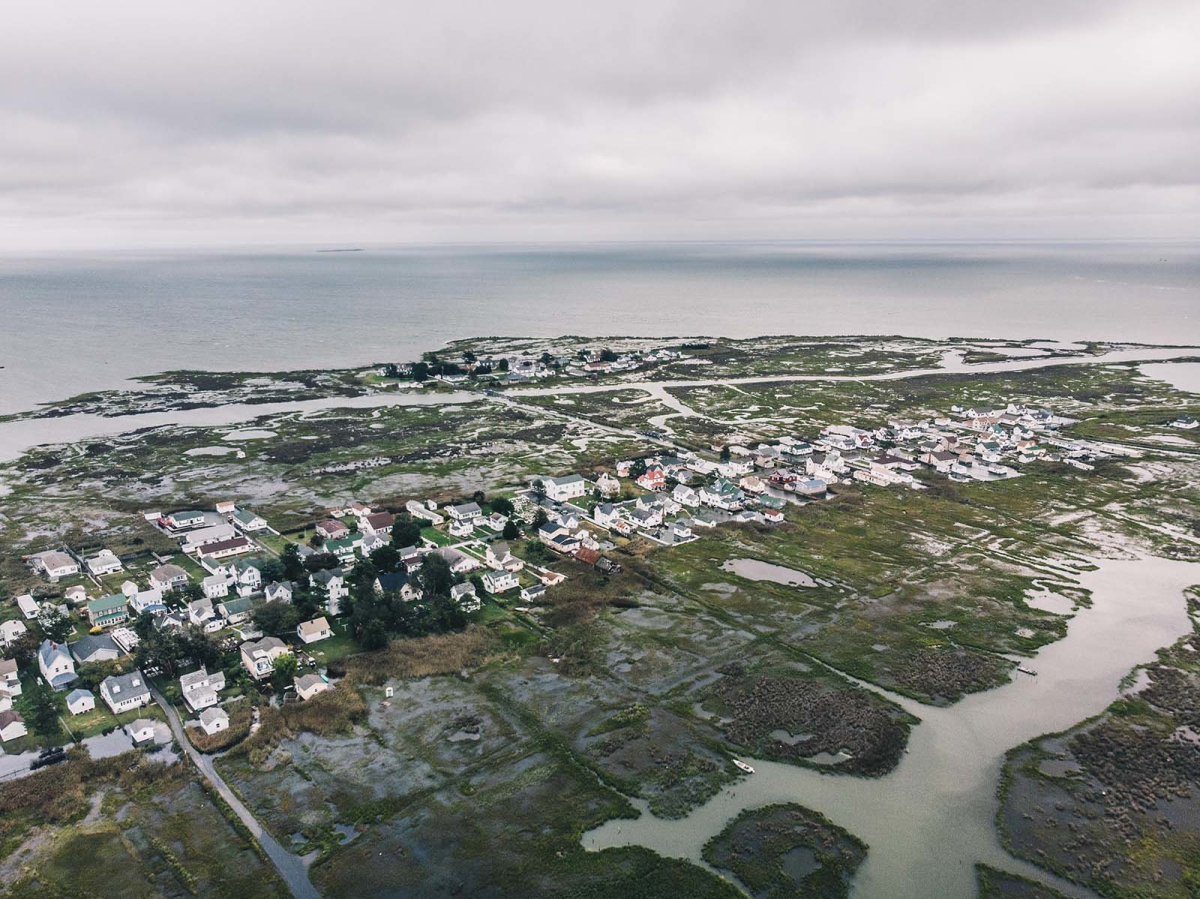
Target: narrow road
290,866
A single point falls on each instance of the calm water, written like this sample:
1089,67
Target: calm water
76,323
931,819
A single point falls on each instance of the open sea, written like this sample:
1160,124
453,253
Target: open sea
75,323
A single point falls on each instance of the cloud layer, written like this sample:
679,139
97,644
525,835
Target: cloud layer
139,123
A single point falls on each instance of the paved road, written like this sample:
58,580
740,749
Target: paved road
290,866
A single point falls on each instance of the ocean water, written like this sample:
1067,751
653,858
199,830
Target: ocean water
73,323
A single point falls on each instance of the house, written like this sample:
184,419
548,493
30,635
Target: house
55,663
312,631
80,701
498,556
200,612
334,582
248,521
280,591
108,610
11,631
467,512
653,479
461,528
608,485
605,565
682,530
98,648
235,611
225,548
75,594
378,523
200,688
812,487
104,562
168,577
226,507
372,542
332,529
247,578
122,692
56,565
496,521
12,726
28,606
10,682
566,488
143,601
650,517
343,548
685,496
587,556
533,593
310,685
420,510
459,561
495,582
722,494
215,586
187,519
604,514
258,656
464,594
196,540
141,730
411,557
214,720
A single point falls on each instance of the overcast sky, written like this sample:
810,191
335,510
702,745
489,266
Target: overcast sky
150,123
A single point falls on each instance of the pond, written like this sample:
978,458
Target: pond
1180,375
758,570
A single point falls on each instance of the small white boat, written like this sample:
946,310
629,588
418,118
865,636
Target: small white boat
1028,671
743,766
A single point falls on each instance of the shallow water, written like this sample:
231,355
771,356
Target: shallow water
1180,375
757,570
931,819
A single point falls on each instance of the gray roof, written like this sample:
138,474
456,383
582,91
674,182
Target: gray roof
467,508
209,715
309,680
132,685
49,652
566,479
80,694
325,575
88,645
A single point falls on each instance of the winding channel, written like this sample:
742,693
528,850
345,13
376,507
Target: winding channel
931,819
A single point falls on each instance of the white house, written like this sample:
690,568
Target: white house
466,512
190,518
685,496
200,612
609,486
500,581
312,631
459,561
200,688
28,606
461,528
80,701
168,577
12,726
10,681
215,586
604,514
56,564
141,730
214,720
201,537
464,594
248,521
280,591
11,631
565,488
310,685
533,592
56,665
104,562
499,557
334,581
235,611
122,692
258,656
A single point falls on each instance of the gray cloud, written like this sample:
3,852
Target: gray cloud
141,122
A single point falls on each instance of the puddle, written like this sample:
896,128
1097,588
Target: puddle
210,451
250,434
757,570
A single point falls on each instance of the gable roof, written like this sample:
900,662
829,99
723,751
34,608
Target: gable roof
316,626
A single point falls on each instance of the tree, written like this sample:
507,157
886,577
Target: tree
43,713
468,356
321,562
272,570
293,565
374,635
191,592
502,365
539,489
434,576
55,625
502,505
540,518
637,468
725,454
479,497
406,531
607,355
283,671
420,372
386,557
511,531
276,618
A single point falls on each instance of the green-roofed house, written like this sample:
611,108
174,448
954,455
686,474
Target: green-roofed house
248,521
343,549
108,611
235,611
